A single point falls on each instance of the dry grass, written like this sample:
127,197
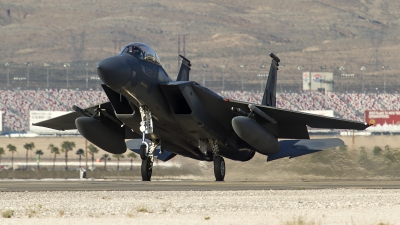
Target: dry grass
8,213
33,210
299,221
143,209
106,198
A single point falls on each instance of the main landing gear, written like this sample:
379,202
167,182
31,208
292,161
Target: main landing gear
146,151
219,162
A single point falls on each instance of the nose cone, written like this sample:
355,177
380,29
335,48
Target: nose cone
114,71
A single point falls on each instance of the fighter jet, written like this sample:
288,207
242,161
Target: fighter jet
163,118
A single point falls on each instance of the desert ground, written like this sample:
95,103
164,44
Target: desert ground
358,160
286,207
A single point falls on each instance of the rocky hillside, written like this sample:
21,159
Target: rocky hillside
307,35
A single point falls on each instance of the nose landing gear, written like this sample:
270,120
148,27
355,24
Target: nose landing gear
146,151
147,163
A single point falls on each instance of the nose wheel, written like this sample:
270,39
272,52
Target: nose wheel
147,159
147,169
143,151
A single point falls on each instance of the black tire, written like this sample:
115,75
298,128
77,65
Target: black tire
219,168
147,169
143,151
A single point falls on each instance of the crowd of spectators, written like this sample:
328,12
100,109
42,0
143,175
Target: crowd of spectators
16,104
345,105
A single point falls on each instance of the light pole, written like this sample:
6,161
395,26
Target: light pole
261,80
7,64
262,67
363,68
384,77
281,66
47,65
204,76
87,76
300,68
27,64
223,77
341,68
67,65
242,66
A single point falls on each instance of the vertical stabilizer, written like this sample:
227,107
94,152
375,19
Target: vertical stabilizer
184,70
269,98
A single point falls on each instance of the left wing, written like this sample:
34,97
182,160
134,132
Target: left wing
289,124
284,116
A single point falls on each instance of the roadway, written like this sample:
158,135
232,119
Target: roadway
185,185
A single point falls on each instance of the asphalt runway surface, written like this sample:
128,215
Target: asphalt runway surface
174,185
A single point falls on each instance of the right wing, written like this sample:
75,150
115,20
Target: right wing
67,121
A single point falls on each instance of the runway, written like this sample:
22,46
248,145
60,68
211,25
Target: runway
174,185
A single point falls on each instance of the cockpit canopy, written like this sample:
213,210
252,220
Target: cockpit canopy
142,51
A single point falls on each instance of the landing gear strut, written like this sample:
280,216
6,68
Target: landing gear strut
219,162
146,151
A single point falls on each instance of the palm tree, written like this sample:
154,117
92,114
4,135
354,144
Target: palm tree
118,156
54,150
50,147
2,152
12,149
132,155
92,150
80,152
67,146
28,147
38,154
105,157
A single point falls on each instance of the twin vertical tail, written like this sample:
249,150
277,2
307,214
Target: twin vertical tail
184,70
269,98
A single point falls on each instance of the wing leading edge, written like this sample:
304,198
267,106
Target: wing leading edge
288,117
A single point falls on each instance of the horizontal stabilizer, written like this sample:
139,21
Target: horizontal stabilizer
134,145
295,148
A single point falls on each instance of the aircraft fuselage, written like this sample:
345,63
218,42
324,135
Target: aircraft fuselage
183,123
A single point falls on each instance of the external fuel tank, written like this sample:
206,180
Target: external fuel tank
254,134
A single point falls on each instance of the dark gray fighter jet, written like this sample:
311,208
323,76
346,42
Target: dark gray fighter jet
165,118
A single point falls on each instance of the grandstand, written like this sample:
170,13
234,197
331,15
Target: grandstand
16,104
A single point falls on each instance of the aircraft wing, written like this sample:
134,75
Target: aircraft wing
67,121
289,124
284,116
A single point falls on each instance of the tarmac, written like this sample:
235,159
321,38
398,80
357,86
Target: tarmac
185,185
